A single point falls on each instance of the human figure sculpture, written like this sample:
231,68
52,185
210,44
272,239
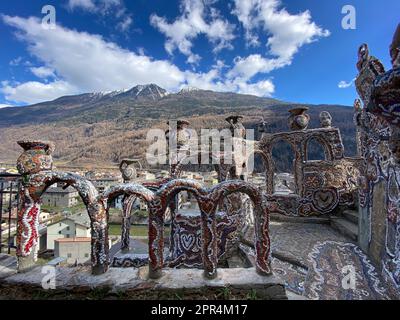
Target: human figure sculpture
369,68
385,92
236,126
325,119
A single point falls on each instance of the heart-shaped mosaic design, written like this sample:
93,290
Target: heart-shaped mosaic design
187,241
325,199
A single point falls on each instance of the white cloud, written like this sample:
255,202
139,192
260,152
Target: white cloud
82,4
16,62
213,80
42,72
252,65
35,92
263,88
105,7
287,33
125,24
197,17
344,85
101,6
87,62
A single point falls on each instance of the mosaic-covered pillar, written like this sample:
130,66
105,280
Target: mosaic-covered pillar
262,241
127,205
35,159
209,238
99,244
35,165
357,122
156,239
379,121
129,173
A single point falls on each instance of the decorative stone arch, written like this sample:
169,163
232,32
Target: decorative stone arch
322,142
297,162
34,187
158,207
261,214
269,171
131,191
223,170
208,201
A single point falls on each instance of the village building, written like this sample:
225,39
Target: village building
74,250
103,183
73,226
60,197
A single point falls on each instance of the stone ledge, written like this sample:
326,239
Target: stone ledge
8,265
276,217
116,280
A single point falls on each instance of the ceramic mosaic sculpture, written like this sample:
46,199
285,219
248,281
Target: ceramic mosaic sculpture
369,68
298,119
129,173
35,166
128,169
325,119
378,123
181,134
37,156
385,92
236,126
39,177
185,241
320,186
208,200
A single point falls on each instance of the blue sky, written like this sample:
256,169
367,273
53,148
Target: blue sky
291,50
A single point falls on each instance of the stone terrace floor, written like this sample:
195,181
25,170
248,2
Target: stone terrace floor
312,260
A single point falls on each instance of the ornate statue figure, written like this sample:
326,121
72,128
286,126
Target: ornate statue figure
378,139
385,95
325,119
363,56
237,128
181,134
263,126
369,68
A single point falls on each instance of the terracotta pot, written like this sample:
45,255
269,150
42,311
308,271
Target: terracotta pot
37,156
298,120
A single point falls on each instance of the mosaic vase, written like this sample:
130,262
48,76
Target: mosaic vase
128,169
37,156
298,120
